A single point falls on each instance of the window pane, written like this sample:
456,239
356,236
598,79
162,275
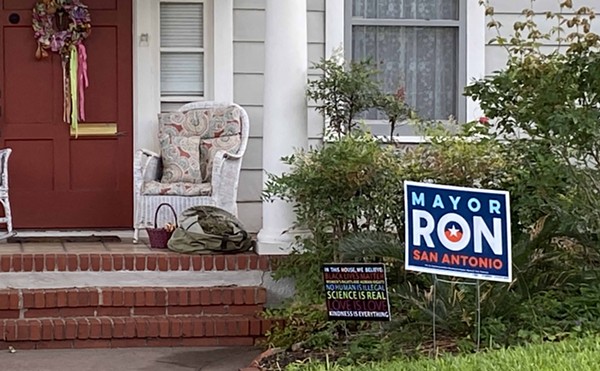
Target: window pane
406,9
181,25
182,74
171,106
423,60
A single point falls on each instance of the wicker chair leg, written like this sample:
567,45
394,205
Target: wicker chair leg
7,214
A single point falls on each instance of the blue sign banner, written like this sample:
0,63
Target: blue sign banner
457,231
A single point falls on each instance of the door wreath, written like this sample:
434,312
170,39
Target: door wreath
61,26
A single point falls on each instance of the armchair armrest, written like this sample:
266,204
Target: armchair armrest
232,156
147,166
149,153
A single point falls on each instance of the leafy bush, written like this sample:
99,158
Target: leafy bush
347,89
540,141
545,259
549,105
471,157
395,107
344,91
303,323
349,185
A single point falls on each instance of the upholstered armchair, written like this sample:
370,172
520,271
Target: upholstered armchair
202,145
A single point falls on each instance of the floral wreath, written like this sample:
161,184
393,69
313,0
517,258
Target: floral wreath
59,25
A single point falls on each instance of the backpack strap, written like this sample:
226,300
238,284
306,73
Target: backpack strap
191,225
224,240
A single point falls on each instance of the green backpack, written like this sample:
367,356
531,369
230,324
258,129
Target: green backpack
209,230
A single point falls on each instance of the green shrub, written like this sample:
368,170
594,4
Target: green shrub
548,104
544,258
395,107
346,89
349,185
540,141
471,156
343,91
304,324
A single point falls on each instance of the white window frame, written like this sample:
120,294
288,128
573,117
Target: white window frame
471,63
146,62
206,50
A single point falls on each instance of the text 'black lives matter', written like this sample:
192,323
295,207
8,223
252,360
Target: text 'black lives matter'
356,292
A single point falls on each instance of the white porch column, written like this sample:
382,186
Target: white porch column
285,116
475,56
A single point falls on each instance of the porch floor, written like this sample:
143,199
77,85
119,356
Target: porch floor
125,246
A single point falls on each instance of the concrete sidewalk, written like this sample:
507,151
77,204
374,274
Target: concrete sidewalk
129,359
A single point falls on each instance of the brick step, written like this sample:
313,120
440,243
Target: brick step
103,332
130,301
152,262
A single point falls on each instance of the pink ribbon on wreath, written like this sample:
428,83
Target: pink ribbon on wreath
83,78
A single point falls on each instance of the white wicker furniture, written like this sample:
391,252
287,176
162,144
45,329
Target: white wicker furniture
221,188
4,155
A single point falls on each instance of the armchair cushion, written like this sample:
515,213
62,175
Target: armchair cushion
209,148
176,189
205,123
181,159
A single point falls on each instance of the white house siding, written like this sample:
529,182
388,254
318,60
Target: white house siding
248,55
507,12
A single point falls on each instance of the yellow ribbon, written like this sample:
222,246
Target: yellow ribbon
73,79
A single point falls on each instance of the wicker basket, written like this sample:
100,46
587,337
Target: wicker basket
160,236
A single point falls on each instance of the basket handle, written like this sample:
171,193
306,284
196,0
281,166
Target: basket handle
158,209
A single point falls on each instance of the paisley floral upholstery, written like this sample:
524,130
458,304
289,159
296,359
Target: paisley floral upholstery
178,189
181,159
202,131
205,123
209,148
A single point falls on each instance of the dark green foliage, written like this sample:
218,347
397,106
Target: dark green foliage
344,91
548,104
395,107
349,185
304,323
540,141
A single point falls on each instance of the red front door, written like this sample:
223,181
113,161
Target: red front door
56,180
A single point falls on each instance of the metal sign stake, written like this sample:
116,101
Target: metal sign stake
434,317
478,310
478,314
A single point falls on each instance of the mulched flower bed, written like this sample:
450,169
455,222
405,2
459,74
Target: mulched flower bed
278,359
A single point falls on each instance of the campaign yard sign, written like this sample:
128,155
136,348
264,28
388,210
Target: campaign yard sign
356,292
457,231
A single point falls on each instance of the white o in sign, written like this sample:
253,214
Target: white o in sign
474,205
441,232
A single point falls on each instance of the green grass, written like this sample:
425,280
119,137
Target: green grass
569,355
